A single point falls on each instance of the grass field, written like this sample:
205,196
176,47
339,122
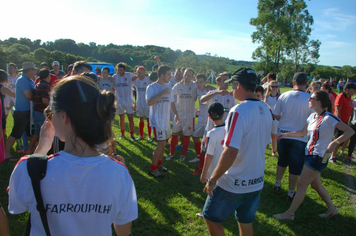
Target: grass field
168,206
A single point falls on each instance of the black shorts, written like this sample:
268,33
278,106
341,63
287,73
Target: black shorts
21,124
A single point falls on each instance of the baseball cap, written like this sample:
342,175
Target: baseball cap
216,110
244,74
43,64
55,63
300,78
350,85
70,67
155,66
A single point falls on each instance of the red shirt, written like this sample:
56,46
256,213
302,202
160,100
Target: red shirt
346,107
54,80
334,94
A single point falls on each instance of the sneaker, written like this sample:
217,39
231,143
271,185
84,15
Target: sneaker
122,136
199,214
348,159
277,189
197,171
133,138
151,140
139,138
162,168
179,146
289,198
155,173
196,159
182,158
169,157
333,160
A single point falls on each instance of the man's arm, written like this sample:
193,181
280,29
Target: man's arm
123,230
173,107
159,63
207,163
226,160
45,101
28,94
208,96
338,111
277,117
153,100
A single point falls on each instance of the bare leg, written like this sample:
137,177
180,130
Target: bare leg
33,141
280,172
9,143
274,144
293,180
4,225
158,152
323,193
215,229
122,121
245,229
131,122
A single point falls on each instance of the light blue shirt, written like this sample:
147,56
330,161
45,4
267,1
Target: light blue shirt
22,84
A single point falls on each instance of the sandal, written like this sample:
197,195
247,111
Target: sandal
279,216
333,213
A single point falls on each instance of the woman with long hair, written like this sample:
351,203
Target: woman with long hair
84,191
271,98
320,127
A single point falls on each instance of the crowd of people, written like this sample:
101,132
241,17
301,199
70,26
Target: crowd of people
70,116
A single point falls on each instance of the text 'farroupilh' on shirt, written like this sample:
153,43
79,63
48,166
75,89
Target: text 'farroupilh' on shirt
78,208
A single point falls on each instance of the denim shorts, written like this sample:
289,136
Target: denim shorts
223,203
314,162
39,119
291,153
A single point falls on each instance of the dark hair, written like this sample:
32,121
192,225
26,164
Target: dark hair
201,76
324,99
3,77
260,89
91,75
163,70
13,64
121,65
248,86
189,69
222,74
44,73
271,76
106,68
300,78
90,111
326,86
80,65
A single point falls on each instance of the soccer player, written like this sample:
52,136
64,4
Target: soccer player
106,82
160,100
186,91
237,181
143,110
123,82
222,96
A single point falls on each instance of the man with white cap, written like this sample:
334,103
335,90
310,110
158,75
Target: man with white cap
56,71
24,94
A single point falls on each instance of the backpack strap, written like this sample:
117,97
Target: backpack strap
37,167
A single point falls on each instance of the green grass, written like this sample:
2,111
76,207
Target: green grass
168,206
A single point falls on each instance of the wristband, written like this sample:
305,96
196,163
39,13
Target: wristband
211,183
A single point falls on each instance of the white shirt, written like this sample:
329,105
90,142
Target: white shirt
186,95
81,195
141,86
215,146
203,108
159,112
12,83
248,129
106,84
294,108
320,132
271,101
123,86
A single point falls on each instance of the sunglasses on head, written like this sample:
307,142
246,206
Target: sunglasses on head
48,113
312,98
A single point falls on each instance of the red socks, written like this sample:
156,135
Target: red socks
132,133
153,167
186,140
141,124
197,147
174,142
159,163
123,132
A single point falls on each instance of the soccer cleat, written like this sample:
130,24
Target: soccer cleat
290,198
197,171
133,138
277,189
348,159
169,157
151,140
196,159
155,173
182,158
122,136
139,138
179,146
162,168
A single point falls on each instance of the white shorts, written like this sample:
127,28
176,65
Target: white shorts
199,130
143,112
162,133
275,126
121,108
185,125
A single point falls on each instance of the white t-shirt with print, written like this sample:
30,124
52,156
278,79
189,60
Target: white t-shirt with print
186,95
203,108
294,108
159,112
271,101
320,132
81,195
123,88
215,146
11,86
141,86
248,129
106,84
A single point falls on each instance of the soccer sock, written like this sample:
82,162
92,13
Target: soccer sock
186,140
278,183
123,132
202,160
153,167
159,163
132,133
141,124
174,141
291,193
197,148
148,128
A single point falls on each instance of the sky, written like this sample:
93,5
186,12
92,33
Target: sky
218,27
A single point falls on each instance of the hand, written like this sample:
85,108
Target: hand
331,147
156,57
224,92
279,137
176,117
120,158
203,179
46,137
208,189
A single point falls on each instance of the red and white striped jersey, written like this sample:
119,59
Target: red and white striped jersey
186,95
123,85
141,86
